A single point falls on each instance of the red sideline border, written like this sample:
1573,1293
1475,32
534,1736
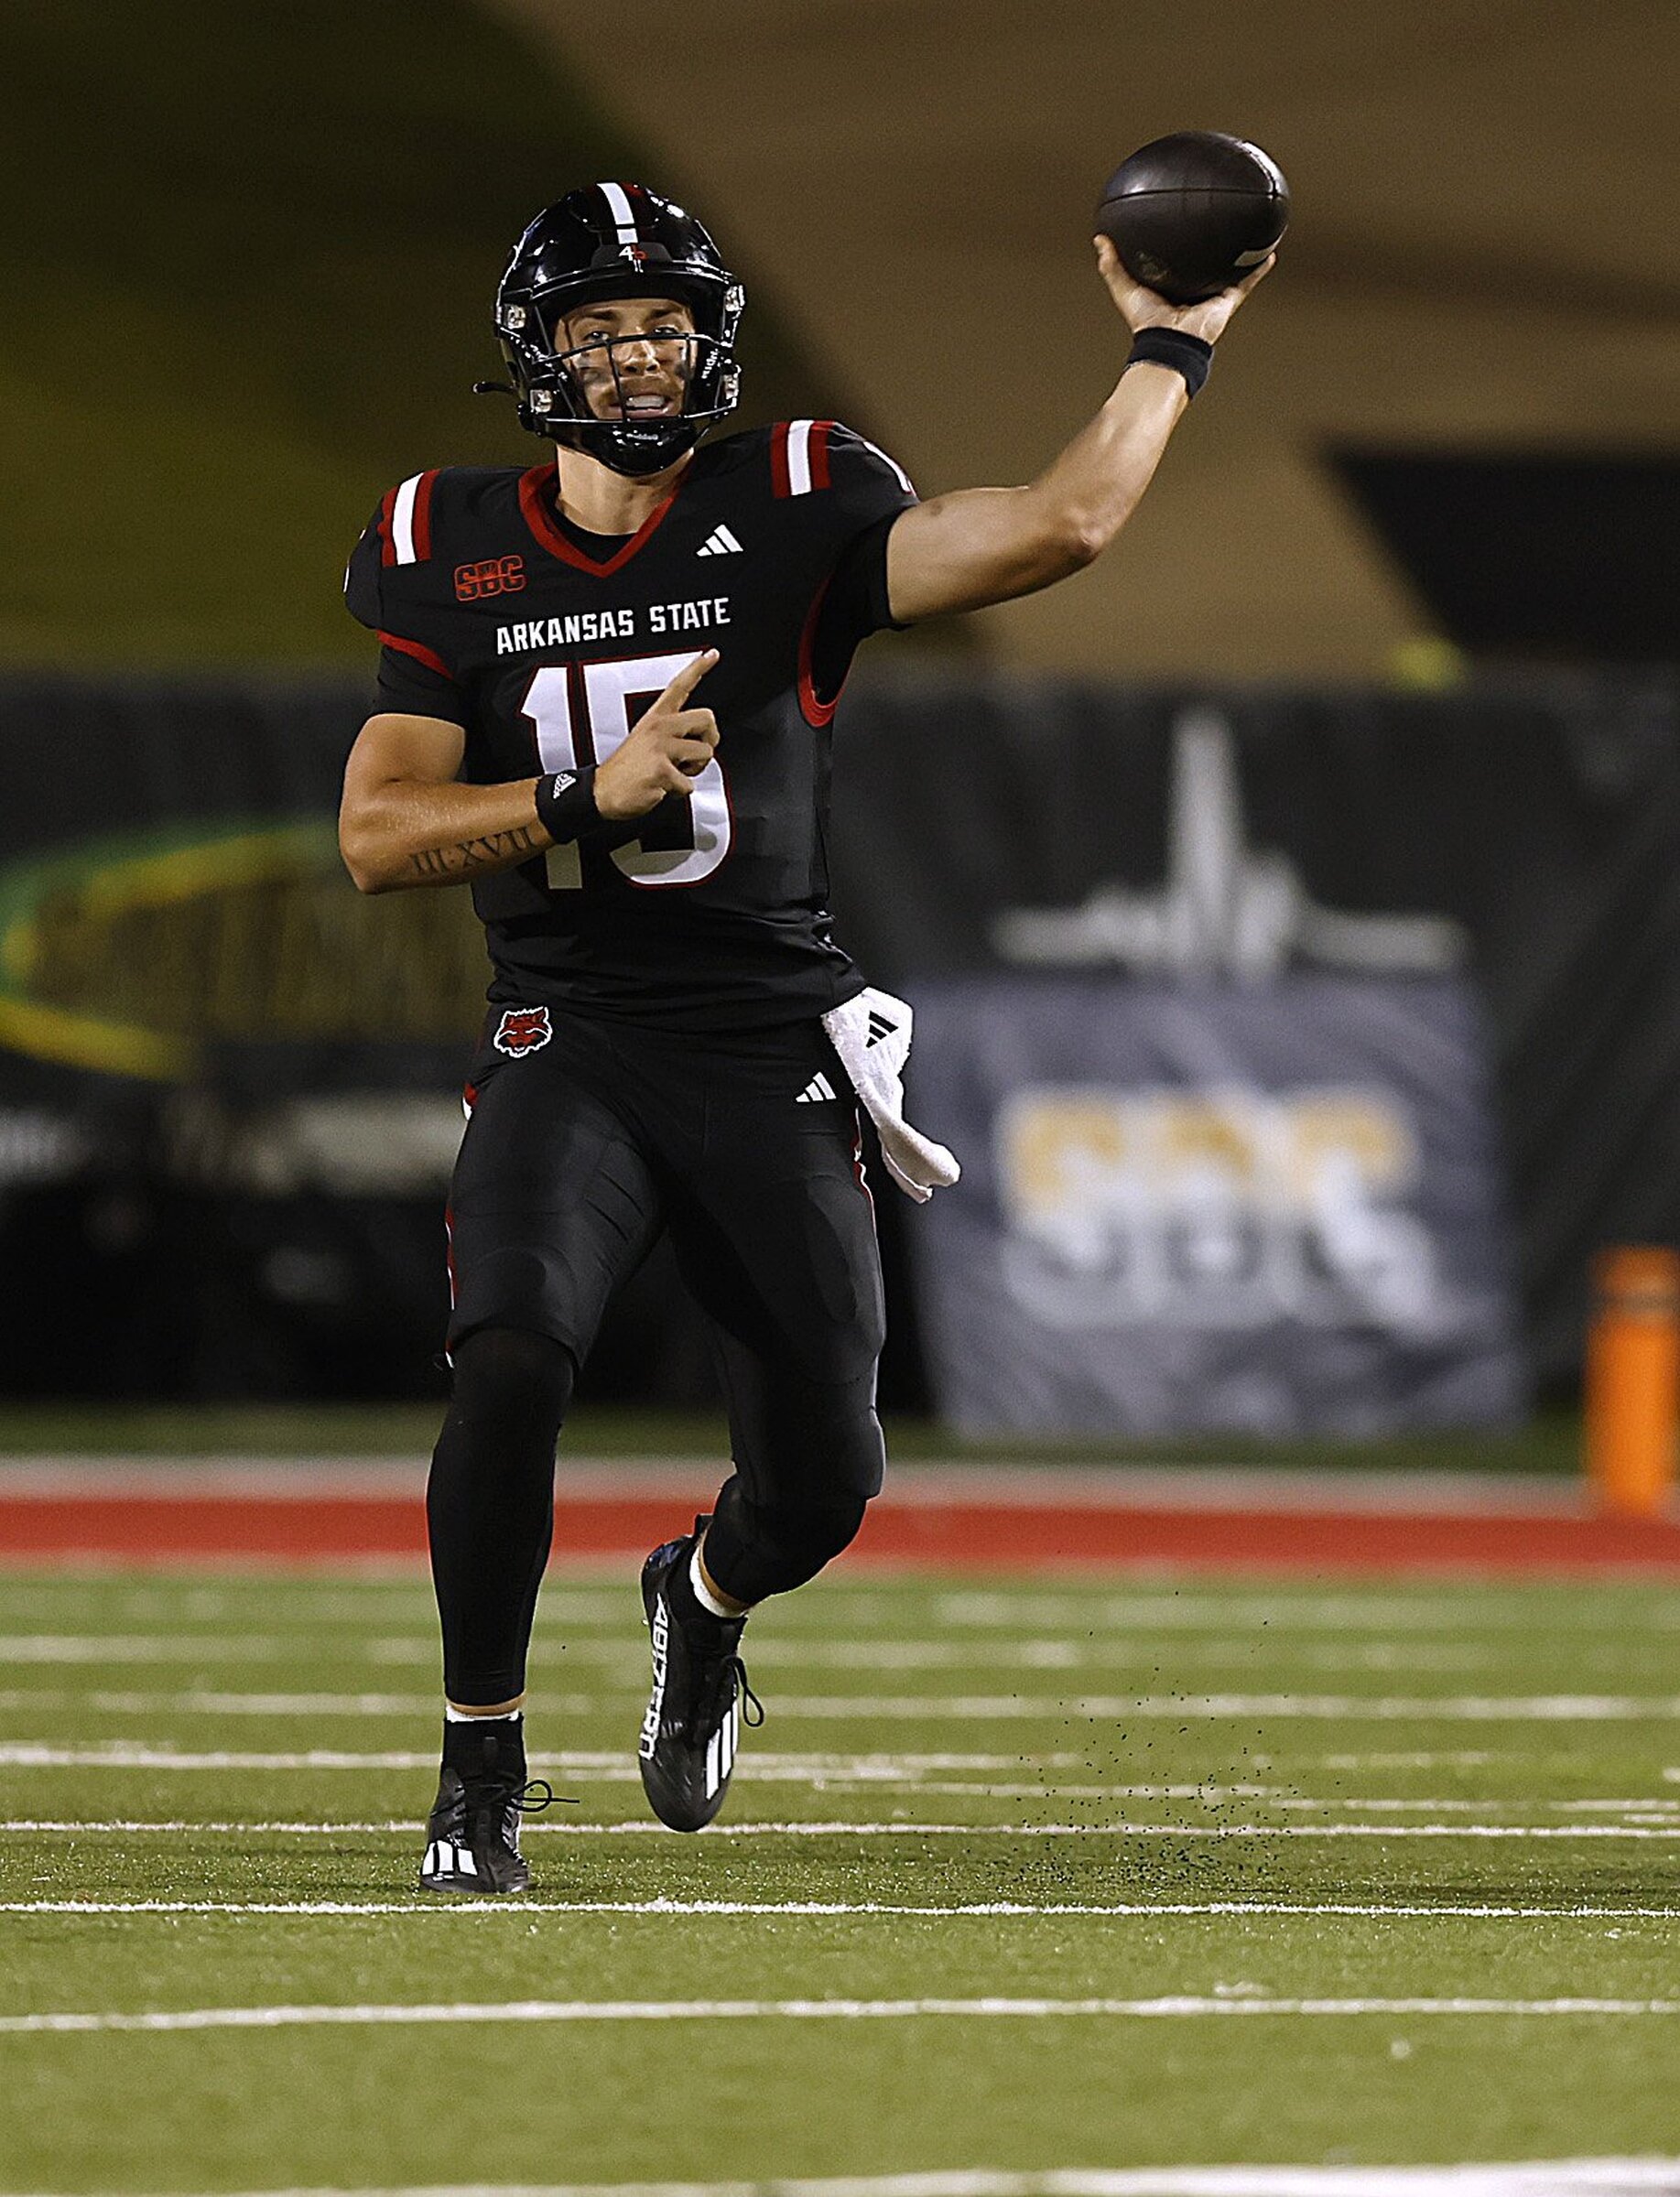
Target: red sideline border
322,1530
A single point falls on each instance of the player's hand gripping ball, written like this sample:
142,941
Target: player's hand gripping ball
1194,213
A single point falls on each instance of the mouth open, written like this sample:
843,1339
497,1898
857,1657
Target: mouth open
649,406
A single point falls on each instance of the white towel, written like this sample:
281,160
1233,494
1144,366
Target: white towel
872,1034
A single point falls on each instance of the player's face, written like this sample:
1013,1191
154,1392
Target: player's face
630,357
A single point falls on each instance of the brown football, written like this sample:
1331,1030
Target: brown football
1193,213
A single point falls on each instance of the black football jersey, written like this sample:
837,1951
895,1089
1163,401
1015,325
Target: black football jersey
546,644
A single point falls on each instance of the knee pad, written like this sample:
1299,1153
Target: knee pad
837,1451
776,1528
513,1383
755,1549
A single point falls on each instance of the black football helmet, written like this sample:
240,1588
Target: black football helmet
617,239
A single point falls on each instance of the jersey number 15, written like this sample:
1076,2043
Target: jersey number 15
682,841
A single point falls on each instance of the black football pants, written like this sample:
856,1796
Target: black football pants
580,1150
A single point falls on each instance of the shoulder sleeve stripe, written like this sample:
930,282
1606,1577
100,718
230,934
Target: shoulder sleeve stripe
818,450
799,457
411,520
388,547
420,651
422,514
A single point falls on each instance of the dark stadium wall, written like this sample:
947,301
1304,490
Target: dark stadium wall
228,1083
1480,258
249,278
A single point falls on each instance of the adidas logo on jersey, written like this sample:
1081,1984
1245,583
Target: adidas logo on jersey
819,1089
720,542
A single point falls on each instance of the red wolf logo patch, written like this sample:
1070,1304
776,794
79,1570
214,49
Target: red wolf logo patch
523,1030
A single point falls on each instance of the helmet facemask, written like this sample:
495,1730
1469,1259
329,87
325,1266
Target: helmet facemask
553,376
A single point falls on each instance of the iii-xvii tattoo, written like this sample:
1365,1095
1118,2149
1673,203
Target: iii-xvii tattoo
494,851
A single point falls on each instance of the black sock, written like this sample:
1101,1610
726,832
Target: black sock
478,1747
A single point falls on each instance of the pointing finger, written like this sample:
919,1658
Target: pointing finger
687,680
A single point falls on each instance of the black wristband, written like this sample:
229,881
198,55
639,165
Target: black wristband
1186,354
565,804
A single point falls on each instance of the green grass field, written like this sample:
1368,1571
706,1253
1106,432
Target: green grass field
1019,1878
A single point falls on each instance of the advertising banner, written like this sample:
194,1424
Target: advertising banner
1524,836
1205,1206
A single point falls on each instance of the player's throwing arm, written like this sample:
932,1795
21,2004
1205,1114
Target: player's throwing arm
405,821
981,546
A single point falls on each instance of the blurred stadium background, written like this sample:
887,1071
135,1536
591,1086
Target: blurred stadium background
1291,905
1291,902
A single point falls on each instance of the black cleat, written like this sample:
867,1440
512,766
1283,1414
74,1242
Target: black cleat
472,1836
693,1723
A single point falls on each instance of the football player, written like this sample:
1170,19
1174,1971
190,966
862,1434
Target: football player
604,698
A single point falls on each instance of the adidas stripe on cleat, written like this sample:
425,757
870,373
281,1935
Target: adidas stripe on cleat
472,1836
691,1730
444,1859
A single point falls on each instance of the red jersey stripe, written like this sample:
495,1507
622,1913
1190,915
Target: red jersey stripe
534,489
387,541
420,651
422,517
819,449
779,480
818,712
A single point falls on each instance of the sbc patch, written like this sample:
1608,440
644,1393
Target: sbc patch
523,1030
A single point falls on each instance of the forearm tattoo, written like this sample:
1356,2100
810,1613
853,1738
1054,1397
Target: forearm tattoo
496,851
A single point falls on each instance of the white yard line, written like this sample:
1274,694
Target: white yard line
1060,1604
1181,2007
1415,1758
798,1827
1025,1653
987,1910
1529,2177
1202,1708
206,1702
1033,1651
379,1598
860,1769
1543,1708
149,1647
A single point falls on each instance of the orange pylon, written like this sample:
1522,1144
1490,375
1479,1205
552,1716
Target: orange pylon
1633,1379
